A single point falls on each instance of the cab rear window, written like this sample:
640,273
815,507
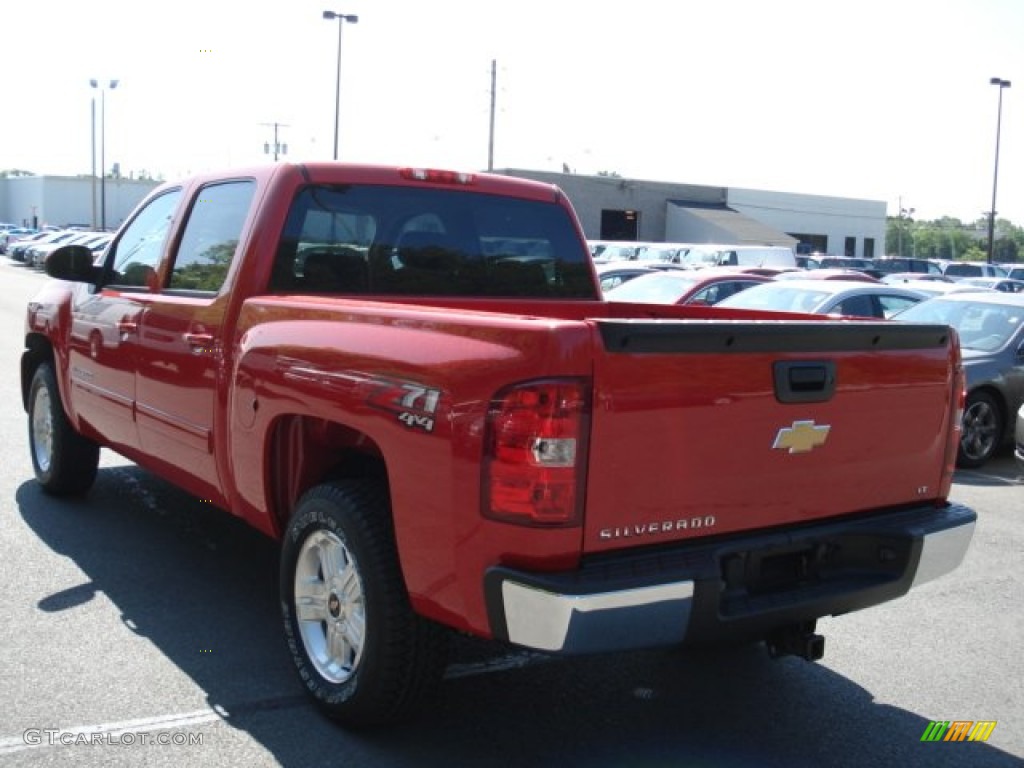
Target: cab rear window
364,239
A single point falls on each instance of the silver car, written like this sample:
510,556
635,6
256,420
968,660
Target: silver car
991,329
849,298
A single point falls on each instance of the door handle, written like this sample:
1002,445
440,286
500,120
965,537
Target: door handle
204,340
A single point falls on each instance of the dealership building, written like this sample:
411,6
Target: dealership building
614,208
610,208
70,201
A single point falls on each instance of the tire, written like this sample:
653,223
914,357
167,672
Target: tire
360,651
982,430
64,462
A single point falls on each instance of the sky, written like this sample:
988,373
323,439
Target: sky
880,100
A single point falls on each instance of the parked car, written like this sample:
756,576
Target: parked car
1014,272
808,261
33,255
708,286
991,329
827,273
958,269
1019,439
36,255
19,250
12,235
866,266
853,298
940,288
612,274
670,253
903,277
1004,284
774,256
887,264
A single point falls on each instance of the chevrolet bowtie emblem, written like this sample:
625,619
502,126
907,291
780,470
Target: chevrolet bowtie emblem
802,437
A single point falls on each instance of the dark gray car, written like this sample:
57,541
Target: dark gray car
1019,452
991,330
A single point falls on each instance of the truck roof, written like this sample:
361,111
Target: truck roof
367,173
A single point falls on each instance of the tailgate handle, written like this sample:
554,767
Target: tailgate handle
804,381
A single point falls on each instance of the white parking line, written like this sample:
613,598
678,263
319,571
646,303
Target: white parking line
992,478
40,738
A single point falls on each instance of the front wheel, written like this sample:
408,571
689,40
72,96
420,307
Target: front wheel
361,652
982,430
64,462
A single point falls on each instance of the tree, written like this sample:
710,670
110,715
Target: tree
951,239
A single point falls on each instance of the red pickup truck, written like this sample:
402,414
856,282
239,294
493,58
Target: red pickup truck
409,378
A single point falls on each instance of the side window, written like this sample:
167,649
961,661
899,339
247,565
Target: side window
857,306
141,246
211,236
893,304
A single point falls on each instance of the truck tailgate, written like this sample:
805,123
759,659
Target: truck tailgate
707,428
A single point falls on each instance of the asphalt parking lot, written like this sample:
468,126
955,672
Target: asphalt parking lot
142,627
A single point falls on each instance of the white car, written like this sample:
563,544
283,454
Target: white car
36,255
847,298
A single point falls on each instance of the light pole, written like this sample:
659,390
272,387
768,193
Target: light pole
93,147
995,176
103,148
342,18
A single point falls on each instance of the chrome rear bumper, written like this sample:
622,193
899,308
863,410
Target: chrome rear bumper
706,591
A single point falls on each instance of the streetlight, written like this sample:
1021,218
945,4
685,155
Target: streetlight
342,18
103,147
995,176
93,147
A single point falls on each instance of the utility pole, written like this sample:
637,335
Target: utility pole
490,141
277,146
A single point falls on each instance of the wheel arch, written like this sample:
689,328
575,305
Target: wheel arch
38,350
304,451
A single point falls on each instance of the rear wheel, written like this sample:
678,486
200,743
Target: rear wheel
982,430
64,462
361,652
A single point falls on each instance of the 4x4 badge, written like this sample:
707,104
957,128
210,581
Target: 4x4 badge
802,437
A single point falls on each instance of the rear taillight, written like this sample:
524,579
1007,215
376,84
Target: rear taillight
956,420
535,453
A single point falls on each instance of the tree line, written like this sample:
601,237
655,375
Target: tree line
952,239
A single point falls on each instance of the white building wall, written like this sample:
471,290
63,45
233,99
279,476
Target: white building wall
835,217
68,200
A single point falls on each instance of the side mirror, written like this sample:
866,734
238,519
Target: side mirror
74,263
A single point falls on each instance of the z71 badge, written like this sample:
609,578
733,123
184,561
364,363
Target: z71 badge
414,404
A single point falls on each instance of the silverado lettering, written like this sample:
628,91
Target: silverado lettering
666,526
416,388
